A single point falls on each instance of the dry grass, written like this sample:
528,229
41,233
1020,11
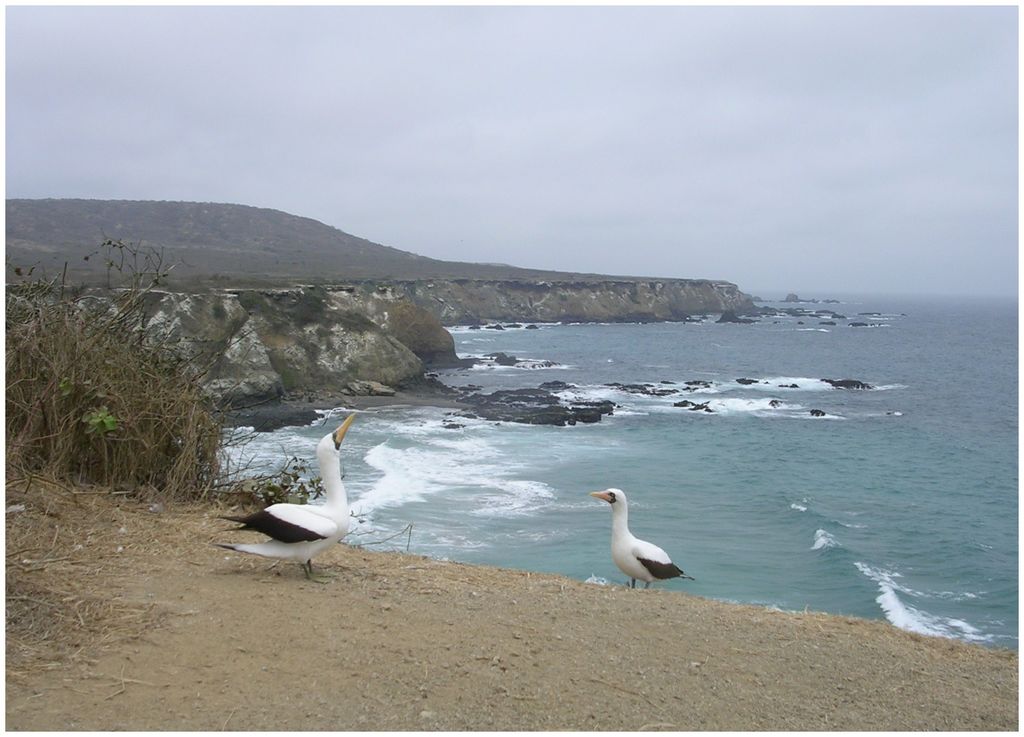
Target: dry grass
58,611
91,397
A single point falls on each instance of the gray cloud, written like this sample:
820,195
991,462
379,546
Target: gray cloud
812,149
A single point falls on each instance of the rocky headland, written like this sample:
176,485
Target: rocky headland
314,343
276,309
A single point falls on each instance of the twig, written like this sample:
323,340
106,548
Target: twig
625,690
34,601
119,691
407,528
42,561
128,680
224,726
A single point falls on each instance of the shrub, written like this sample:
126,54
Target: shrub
92,398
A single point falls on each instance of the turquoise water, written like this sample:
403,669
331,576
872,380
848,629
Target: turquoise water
900,503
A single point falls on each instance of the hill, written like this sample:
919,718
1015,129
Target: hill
222,244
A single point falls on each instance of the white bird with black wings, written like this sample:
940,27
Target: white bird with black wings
634,557
301,531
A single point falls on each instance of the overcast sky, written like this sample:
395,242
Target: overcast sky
817,150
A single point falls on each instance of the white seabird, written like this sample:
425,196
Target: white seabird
301,531
634,557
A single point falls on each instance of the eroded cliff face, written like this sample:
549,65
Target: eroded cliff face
260,344
463,301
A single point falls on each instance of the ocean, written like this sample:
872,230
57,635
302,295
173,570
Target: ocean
900,502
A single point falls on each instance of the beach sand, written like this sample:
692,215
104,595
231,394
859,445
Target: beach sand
123,617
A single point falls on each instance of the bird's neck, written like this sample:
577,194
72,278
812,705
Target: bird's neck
619,521
336,496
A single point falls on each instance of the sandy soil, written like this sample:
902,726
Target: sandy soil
194,637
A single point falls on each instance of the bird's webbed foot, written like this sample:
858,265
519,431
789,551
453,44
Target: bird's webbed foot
321,577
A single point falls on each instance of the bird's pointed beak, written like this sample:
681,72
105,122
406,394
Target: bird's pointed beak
601,495
339,434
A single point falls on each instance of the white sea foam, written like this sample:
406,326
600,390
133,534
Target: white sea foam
738,405
823,540
803,383
522,364
798,507
456,541
813,330
598,580
454,464
592,393
911,619
516,498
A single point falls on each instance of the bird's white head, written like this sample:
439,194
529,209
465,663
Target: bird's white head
615,497
330,444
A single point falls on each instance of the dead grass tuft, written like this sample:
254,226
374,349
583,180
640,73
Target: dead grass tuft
92,396
60,546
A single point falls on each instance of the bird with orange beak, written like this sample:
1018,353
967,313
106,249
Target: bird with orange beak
637,558
300,531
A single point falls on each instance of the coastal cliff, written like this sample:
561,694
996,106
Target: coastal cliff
259,345
262,344
462,301
272,304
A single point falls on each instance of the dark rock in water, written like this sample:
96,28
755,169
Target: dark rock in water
775,404
556,386
522,396
858,325
799,322
534,407
649,390
847,384
791,297
512,325
827,322
694,406
817,413
747,382
532,327
730,316
503,359
789,386
695,384
452,426
591,411
474,327
495,326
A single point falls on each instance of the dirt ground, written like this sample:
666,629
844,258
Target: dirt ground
128,619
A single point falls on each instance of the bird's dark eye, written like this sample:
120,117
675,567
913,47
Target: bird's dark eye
612,499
